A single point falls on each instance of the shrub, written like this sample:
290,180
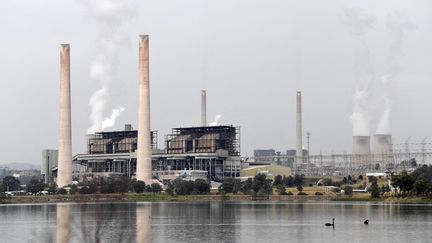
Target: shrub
155,188
348,190
138,186
318,193
301,193
62,191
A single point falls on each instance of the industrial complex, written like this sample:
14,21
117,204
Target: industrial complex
208,152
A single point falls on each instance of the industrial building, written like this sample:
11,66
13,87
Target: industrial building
212,151
49,162
111,153
215,149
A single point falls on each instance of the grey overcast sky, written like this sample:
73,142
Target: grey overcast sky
251,56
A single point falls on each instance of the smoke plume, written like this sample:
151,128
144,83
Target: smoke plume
216,120
397,24
110,17
110,121
372,97
360,24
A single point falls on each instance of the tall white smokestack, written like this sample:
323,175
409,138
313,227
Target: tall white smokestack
203,108
144,153
299,143
64,174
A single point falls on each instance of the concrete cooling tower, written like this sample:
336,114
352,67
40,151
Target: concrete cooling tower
361,150
382,147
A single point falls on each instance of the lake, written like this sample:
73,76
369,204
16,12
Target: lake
215,222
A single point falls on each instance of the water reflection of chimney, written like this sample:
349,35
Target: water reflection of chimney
63,223
143,222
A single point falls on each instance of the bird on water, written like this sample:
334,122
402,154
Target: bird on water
328,224
366,221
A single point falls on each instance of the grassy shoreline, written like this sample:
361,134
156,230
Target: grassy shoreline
163,197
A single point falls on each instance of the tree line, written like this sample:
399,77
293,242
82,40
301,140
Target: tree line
418,183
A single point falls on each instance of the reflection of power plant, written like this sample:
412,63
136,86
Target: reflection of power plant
63,223
143,222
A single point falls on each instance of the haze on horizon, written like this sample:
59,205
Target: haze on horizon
250,56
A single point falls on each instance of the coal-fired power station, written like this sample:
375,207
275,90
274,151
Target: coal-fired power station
144,152
64,174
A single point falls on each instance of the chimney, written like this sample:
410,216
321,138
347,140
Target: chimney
144,153
203,108
299,143
64,173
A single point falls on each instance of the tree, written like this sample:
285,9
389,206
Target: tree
277,180
123,184
298,180
421,185
360,177
403,181
227,185
170,188
300,188
237,186
11,183
156,188
280,189
52,188
148,188
246,186
374,190
372,179
258,182
35,185
385,188
62,191
348,190
202,186
2,196
138,186
266,188
288,181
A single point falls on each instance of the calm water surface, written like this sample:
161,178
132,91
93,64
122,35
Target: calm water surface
215,222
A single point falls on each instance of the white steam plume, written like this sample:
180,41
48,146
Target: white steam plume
110,121
110,17
397,23
360,24
216,120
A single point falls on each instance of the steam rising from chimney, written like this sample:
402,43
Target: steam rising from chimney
110,16
216,121
110,121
